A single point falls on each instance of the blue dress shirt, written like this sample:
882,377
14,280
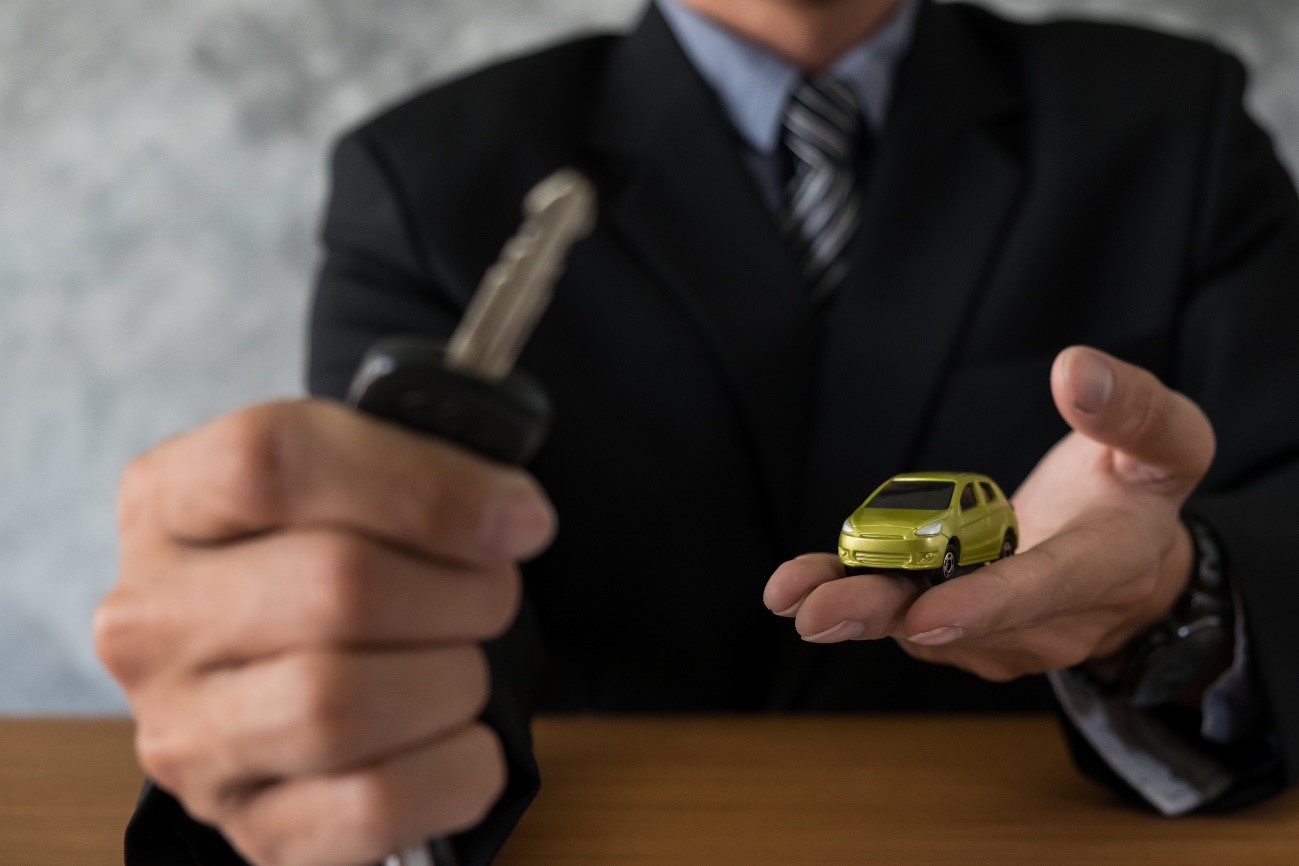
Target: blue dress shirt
754,84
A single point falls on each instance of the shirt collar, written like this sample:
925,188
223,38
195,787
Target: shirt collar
754,84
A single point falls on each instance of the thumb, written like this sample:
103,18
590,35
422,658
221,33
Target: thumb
1158,434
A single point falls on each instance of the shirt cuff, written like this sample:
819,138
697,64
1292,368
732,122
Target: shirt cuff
1174,776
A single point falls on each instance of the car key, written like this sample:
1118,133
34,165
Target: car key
468,391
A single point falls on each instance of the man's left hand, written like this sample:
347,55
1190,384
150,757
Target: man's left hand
1104,553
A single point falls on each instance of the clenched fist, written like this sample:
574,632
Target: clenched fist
297,624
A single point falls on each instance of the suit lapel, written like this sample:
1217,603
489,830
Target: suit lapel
690,211
939,196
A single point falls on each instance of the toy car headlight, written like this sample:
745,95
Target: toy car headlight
847,527
930,529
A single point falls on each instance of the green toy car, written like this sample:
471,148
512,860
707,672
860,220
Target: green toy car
930,521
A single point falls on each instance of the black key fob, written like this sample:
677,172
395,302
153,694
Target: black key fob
406,380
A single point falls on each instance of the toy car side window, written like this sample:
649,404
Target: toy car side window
967,497
989,493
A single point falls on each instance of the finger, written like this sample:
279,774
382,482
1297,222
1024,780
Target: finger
369,813
858,607
1080,569
1164,439
305,713
1014,593
282,591
793,580
319,463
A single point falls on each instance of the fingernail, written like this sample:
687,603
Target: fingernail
521,526
939,636
791,610
846,630
1092,381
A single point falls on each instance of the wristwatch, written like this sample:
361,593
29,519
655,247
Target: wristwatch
1184,645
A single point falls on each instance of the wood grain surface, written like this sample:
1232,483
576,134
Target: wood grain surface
745,790
66,789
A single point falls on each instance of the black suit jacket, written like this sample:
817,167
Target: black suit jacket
1034,187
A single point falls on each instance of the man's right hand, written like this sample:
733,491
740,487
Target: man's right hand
298,622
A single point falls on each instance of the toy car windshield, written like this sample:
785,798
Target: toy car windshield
917,495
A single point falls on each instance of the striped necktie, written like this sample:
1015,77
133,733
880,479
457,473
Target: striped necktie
823,132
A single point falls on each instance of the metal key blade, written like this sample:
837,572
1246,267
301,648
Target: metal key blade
515,291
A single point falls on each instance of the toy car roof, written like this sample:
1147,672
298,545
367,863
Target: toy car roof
940,476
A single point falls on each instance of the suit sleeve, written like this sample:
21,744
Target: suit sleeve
374,282
1238,357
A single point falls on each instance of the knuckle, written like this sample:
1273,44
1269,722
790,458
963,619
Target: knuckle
259,843
486,783
472,506
164,756
377,812
120,631
336,589
110,630
454,507
474,687
321,718
247,454
132,490
504,593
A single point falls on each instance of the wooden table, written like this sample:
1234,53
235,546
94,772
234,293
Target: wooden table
745,790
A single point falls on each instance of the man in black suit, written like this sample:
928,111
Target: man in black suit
306,594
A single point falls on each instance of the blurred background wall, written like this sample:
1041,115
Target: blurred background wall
161,170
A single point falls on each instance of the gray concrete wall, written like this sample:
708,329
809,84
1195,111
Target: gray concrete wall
161,168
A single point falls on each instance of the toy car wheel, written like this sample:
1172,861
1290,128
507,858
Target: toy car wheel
1007,545
947,570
